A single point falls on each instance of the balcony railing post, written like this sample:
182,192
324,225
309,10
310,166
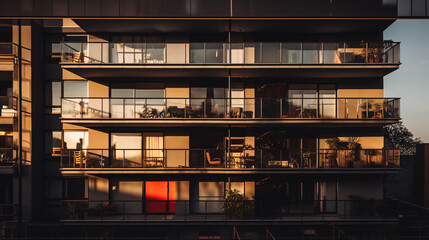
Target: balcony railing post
366,52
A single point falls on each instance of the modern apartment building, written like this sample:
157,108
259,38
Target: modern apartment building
136,118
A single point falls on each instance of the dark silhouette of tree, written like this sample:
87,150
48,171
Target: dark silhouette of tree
397,136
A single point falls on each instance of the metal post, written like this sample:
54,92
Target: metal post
19,123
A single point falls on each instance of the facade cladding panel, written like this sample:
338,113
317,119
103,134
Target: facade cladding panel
215,8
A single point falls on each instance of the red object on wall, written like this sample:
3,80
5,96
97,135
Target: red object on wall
160,196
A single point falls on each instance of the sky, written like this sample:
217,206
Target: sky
411,81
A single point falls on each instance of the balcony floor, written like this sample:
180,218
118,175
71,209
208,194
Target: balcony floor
173,122
237,70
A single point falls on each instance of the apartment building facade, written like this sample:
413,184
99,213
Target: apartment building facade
143,122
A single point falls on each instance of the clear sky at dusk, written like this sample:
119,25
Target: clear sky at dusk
411,81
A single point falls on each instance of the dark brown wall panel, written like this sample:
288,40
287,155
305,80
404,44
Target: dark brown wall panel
77,7
210,8
43,8
110,8
60,7
281,8
128,8
92,8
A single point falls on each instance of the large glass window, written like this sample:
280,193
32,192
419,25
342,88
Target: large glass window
74,139
137,150
302,100
75,89
126,149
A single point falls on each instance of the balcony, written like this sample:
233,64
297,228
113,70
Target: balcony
8,51
7,110
249,59
225,161
179,111
173,211
7,160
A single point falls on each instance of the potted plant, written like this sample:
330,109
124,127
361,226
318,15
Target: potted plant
236,205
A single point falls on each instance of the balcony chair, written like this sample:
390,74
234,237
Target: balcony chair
214,162
79,159
77,57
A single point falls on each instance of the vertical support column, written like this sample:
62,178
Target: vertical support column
19,123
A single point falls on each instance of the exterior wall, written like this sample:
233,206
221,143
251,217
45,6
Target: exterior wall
365,187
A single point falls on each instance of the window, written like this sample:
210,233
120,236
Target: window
75,139
160,196
53,97
76,89
137,150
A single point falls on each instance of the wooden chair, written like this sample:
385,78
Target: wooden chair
77,57
214,162
79,159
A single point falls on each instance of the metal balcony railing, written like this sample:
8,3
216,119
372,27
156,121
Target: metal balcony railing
8,106
224,108
231,53
7,156
228,159
207,210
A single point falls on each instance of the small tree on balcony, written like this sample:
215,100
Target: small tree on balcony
237,205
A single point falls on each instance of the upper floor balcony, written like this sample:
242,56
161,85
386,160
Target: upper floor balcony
233,160
217,59
240,111
8,51
7,110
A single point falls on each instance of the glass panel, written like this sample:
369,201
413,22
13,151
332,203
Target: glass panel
154,151
327,101
126,149
155,53
332,53
197,52
270,52
75,89
310,52
197,108
198,92
216,108
214,52
309,108
237,53
291,53
75,139
176,108
356,52
117,108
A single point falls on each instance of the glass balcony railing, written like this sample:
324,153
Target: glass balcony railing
223,108
7,106
230,53
7,156
211,210
232,158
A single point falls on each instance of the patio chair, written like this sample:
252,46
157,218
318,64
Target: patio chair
214,162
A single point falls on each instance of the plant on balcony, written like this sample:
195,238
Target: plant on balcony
351,143
153,113
236,205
